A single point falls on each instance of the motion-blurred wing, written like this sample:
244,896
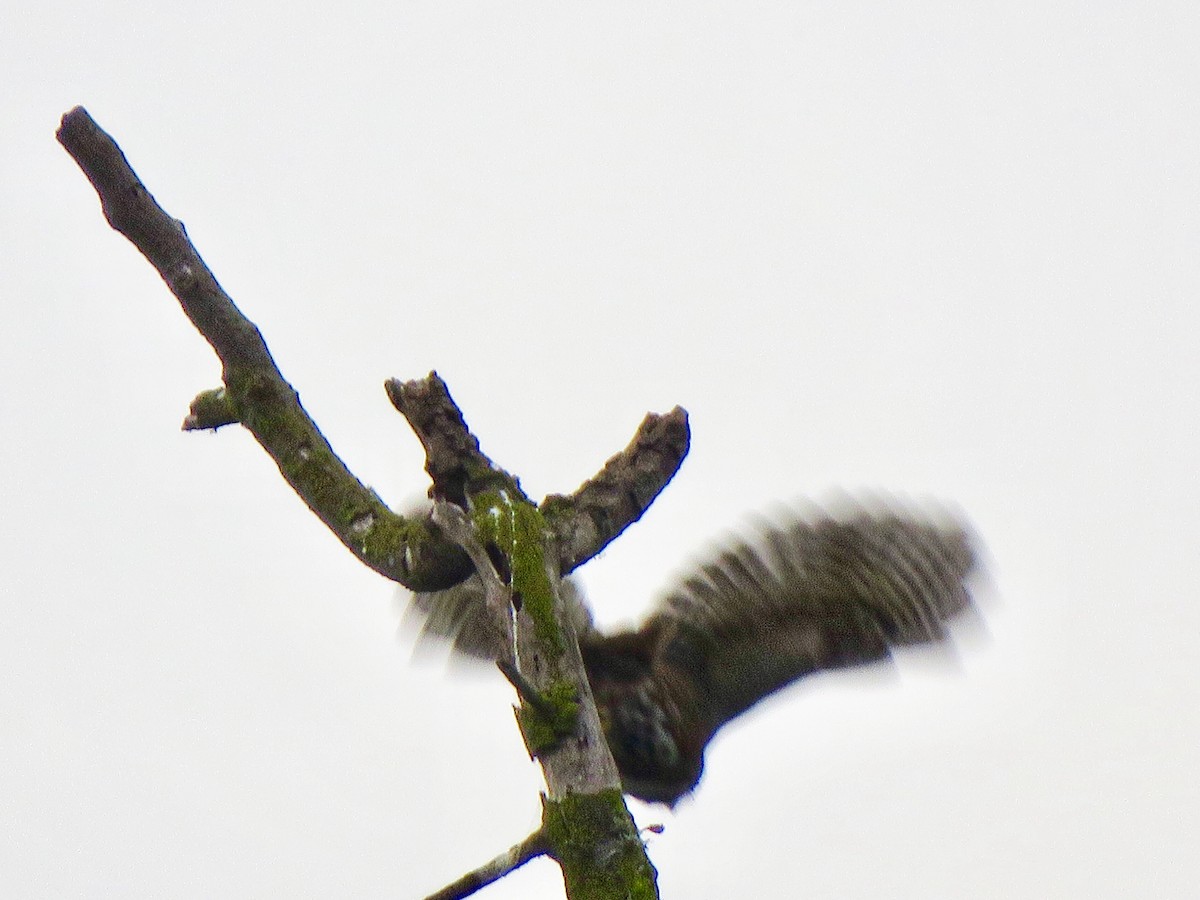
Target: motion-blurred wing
461,616
821,591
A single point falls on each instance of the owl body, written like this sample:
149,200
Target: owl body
653,714
814,590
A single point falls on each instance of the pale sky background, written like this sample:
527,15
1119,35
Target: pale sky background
950,249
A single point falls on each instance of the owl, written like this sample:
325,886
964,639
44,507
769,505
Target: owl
811,590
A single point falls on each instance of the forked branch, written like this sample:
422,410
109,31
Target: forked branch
586,826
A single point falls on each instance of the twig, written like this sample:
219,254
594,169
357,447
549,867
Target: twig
526,691
513,858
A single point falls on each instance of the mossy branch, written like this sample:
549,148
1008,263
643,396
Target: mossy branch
594,839
586,827
255,392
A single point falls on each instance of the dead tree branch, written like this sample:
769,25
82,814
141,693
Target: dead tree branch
601,508
513,858
586,826
255,392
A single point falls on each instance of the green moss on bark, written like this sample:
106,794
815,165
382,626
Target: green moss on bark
515,527
594,839
211,410
543,729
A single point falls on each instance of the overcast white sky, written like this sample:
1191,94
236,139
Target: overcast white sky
948,249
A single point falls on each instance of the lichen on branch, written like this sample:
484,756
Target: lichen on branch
584,807
255,392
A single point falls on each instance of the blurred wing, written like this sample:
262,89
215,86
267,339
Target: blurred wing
460,615
820,591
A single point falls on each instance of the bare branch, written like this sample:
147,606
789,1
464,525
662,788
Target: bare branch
513,858
255,393
452,455
592,517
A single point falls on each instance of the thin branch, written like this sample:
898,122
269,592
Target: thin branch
604,506
255,392
526,691
513,858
